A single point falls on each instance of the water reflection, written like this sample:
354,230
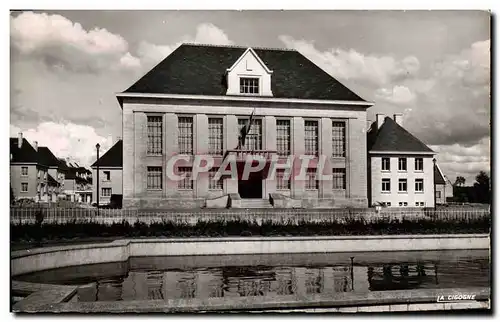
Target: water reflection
269,281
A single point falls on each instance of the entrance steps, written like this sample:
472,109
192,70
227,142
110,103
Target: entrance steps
254,203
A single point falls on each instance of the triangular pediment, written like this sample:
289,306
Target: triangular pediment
251,61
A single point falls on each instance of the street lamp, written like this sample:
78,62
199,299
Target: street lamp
97,146
433,169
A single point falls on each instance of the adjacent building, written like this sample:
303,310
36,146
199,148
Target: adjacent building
29,177
444,187
110,175
197,100
401,167
77,182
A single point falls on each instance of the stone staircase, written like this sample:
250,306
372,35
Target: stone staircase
255,203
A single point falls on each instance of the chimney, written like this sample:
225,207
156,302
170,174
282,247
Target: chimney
20,140
398,118
380,120
35,145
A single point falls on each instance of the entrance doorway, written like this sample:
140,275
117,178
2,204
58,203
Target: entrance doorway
251,188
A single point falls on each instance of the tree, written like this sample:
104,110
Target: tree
460,181
482,187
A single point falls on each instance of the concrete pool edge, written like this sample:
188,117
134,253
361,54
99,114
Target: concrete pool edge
39,259
380,301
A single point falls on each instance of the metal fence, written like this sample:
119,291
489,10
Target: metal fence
278,216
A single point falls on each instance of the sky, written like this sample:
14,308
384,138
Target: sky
432,66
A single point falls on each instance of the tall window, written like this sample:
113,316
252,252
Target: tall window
155,134
107,175
186,183
339,178
282,182
402,164
283,137
253,140
155,178
311,137
24,187
386,185
215,136
24,171
106,192
419,164
419,185
338,139
386,164
249,85
403,185
214,184
438,194
185,135
311,182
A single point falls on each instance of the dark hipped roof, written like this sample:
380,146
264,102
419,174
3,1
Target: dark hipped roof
201,69
46,157
113,157
25,154
438,177
393,137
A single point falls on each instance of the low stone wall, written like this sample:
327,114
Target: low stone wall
391,301
27,261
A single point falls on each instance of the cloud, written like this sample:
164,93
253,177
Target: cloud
206,33
61,43
66,140
397,95
460,160
352,65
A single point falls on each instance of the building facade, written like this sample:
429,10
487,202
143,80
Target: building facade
401,167
28,177
444,188
198,100
110,176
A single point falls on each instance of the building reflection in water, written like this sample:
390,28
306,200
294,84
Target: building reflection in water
257,281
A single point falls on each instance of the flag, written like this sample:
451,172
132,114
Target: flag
245,130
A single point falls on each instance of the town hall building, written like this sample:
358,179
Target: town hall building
198,100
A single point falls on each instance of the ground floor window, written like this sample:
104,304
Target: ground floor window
339,179
154,178
215,184
403,204
419,203
106,192
24,187
282,180
186,183
312,182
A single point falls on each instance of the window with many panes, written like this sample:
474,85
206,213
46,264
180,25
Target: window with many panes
312,182
419,164
311,137
402,164
24,171
386,164
339,178
283,137
249,85
215,136
403,185
253,140
214,184
155,134
154,178
282,179
185,135
419,185
386,185
106,192
186,183
338,139
24,187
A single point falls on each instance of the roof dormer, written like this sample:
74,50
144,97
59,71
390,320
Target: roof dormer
249,76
